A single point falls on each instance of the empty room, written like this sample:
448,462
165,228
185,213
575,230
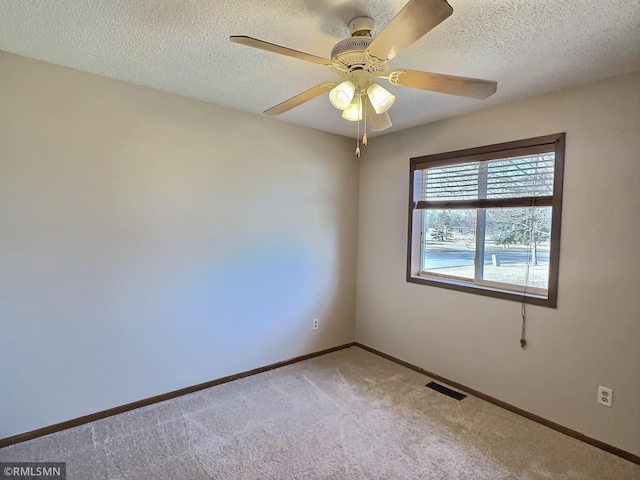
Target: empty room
296,239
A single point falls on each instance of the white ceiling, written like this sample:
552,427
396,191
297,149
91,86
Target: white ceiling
528,46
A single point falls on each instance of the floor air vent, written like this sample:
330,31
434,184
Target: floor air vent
446,391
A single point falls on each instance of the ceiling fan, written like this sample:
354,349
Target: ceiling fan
362,59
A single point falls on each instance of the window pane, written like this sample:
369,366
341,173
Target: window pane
517,246
527,176
449,242
454,182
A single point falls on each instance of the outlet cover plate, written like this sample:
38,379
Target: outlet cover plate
605,396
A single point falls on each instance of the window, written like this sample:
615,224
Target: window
487,220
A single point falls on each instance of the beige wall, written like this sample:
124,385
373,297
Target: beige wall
150,242
593,337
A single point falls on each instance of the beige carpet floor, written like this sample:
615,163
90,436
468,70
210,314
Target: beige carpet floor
345,415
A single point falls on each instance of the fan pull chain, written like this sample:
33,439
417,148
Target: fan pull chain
364,137
358,141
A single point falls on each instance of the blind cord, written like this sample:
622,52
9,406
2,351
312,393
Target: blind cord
523,307
523,340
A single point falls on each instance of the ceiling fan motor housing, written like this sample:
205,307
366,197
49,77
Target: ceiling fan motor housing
349,54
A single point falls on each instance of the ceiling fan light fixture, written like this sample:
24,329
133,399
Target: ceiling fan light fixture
354,112
381,99
342,95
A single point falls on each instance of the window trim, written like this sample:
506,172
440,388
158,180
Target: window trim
555,143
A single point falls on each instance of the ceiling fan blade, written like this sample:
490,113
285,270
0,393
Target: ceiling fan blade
377,122
414,20
436,82
300,98
272,47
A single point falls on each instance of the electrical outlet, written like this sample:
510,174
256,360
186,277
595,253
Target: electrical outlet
316,321
605,396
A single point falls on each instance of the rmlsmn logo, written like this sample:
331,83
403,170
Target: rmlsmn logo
33,470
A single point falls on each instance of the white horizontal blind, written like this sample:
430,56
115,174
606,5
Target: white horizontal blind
513,177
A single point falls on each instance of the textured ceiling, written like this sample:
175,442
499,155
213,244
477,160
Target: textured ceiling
528,46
